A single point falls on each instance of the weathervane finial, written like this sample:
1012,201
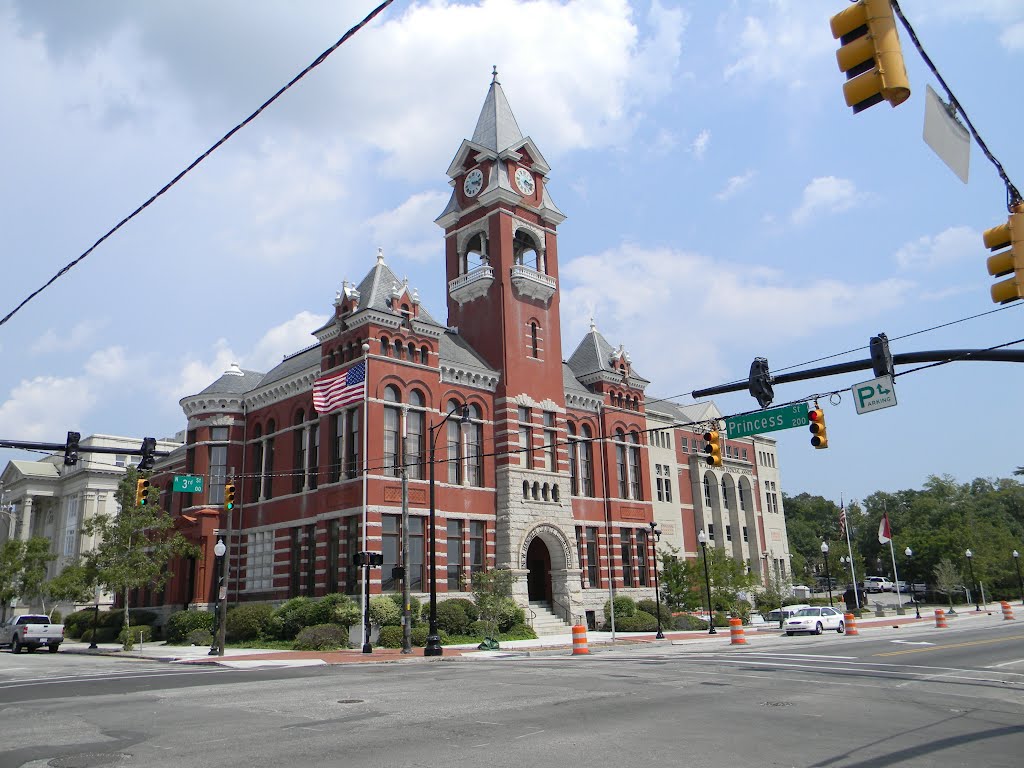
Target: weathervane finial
494,74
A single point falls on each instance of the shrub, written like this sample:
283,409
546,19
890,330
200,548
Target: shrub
301,612
519,632
180,624
419,634
688,623
294,616
137,616
76,623
721,619
415,608
145,630
103,635
55,616
624,606
321,637
509,614
478,629
390,637
638,622
651,606
249,621
340,609
742,610
451,617
384,612
199,637
472,609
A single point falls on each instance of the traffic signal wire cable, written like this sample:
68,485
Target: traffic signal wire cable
1013,196
317,62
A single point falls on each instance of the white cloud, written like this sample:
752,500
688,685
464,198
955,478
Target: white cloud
700,143
80,334
947,247
39,408
284,339
735,185
1012,37
631,287
409,231
787,44
825,194
108,365
197,375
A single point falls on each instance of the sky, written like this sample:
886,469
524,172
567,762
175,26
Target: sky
723,203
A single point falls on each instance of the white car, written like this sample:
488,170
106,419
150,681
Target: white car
815,620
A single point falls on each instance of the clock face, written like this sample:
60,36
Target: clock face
524,180
473,183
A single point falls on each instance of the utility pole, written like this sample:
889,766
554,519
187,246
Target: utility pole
225,572
406,575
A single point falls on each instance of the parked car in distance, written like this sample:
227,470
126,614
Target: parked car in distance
786,612
878,584
816,620
31,631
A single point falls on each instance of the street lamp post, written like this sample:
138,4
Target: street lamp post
913,595
433,646
970,565
703,539
216,649
655,538
95,619
1020,582
828,577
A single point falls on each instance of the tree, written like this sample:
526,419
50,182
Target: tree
35,559
135,545
728,578
11,557
490,588
75,584
948,579
680,587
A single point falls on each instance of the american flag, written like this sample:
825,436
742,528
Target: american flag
842,521
344,388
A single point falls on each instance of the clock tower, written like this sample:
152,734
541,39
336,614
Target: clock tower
501,257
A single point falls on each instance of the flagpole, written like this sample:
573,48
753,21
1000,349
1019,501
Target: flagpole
896,578
849,549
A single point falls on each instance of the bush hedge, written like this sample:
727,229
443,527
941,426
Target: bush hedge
641,621
651,606
471,608
183,623
76,623
419,634
510,614
143,633
624,606
103,635
301,612
321,637
688,623
390,637
452,618
384,612
249,621
199,637
415,608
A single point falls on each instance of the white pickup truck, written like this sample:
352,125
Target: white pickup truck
31,631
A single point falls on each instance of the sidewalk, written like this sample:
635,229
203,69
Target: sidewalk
242,658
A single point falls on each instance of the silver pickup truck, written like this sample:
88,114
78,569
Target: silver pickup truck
31,631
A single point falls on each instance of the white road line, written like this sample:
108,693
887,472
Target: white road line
783,654
65,681
1006,664
879,671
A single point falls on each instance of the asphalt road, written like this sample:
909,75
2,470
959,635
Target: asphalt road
907,697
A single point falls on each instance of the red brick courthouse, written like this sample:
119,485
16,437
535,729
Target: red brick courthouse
556,474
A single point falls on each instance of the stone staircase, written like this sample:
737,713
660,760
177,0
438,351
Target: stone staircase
544,621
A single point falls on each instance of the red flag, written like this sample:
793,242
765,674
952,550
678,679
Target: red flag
884,532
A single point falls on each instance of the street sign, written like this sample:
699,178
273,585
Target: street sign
188,484
786,417
874,395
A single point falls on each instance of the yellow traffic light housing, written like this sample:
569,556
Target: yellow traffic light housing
817,418
1009,261
141,491
229,496
870,55
713,448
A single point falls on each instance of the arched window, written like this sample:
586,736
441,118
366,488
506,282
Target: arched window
454,427
545,491
620,463
536,491
573,446
268,461
425,354
474,437
299,452
635,485
534,345
413,353
415,431
399,349
330,359
385,346
257,462
526,489
392,432
586,461
707,491
725,494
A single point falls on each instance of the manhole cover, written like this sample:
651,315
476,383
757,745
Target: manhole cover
89,760
350,701
776,703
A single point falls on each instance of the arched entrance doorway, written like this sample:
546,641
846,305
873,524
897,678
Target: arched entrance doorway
538,563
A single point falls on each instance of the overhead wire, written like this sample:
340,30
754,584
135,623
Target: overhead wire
317,62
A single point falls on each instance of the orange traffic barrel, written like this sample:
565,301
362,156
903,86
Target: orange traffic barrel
1007,611
736,634
851,624
940,619
579,640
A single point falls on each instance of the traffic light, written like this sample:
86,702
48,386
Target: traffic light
870,55
229,496
71,449
759,383
1009,261
881,357
141,491
147,460
817,418
713,448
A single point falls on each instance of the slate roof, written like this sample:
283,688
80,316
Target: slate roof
571,384
496,128
593,355
376,288
233,384
292,364
40,468
456,349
